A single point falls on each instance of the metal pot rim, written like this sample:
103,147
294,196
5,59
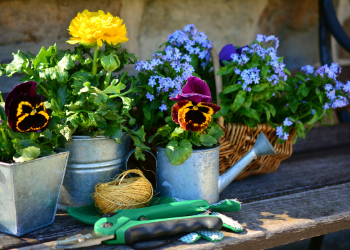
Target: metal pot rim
99,137
197,150
37,159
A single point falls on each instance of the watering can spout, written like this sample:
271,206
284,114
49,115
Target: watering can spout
262,147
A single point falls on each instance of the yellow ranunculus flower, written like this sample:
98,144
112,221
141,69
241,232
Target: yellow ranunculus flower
90,27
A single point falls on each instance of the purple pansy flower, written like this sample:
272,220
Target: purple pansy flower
195,90
227,51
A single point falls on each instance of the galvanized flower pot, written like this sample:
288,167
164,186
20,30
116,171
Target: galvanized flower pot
29,193
196,178
91,160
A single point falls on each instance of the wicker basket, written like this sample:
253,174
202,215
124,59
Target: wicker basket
238,139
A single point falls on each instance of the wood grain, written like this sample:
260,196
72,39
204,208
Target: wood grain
277,221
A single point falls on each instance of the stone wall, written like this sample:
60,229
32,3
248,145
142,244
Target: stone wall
28,25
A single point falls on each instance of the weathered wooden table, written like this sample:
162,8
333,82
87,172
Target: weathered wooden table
308,196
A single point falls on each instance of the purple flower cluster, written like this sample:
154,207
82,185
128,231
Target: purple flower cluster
193,42
267,55
331,71
282,135
183,44
287,122
334,100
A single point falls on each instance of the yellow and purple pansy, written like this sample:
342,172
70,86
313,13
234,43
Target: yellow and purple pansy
25,110
193,110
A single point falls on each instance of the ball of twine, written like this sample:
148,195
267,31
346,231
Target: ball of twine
123,193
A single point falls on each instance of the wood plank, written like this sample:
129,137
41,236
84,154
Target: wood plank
303,171
278,221
324,137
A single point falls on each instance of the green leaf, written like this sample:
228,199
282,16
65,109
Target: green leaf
267,111
146,111
300,129
177,131
224,62
300,76
294,105
215,131
27,154
272,109
250,113
151,138
2,112
231,88
263,71
223,98
67,132
138,137
314,119
225,107
113,131
164,131
249,122
47,133
194,61
54,73
139,154
19,62
249,101
62,95
79,78
238,100
196,141
112,89
66,62
207,140
225,70
260,87
286,71
178,153
305,91
43,57
97,96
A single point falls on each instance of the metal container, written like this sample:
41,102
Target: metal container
196,178
91,160
29,193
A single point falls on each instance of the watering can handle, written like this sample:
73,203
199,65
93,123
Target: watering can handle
133,151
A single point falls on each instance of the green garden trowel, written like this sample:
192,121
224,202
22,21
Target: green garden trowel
132,225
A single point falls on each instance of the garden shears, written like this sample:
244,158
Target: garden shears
132,225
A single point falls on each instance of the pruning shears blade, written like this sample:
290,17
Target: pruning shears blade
85,238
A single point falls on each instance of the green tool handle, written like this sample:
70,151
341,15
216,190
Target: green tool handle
134,231
165,211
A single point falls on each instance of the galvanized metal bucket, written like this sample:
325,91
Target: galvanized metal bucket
196,178
29,193
91,160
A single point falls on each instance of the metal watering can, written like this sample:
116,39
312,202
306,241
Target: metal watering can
198,177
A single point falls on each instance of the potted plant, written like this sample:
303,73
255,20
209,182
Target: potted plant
187,146
186,53
93,108
260,95
31,168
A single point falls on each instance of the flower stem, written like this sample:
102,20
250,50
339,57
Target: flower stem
1,98
94,64
107,79
186,134
5,140
47,93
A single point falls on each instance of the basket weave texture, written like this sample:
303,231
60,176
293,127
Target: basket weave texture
239,139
